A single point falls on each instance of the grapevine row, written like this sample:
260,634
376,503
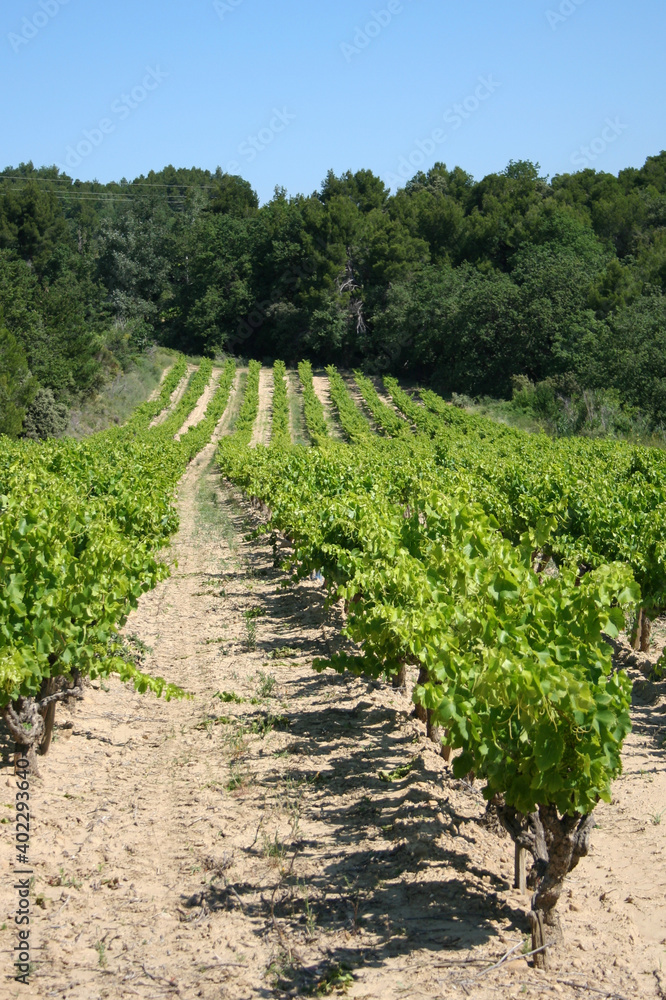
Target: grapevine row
280,433
606,499
513,665
81,524
385,418
312,407
353,422
250,406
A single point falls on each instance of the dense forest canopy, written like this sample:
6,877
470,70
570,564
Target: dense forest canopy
467,284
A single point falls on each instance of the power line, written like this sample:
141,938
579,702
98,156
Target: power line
130,185
104,197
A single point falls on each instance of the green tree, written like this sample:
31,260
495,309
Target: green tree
17,386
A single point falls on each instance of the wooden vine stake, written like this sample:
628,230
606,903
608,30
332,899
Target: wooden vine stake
640,636
539,941
520,880
646,628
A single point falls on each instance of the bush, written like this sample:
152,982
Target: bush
564,408
462,401
44,418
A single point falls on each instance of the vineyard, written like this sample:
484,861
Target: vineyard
436,804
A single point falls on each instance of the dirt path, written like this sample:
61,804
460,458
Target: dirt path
297,428
176,397
261,433
233,405
285,827
323,391
158,388
385,398
360,404
199,411
620,891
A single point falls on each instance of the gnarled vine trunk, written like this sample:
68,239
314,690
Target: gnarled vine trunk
30,720
399,680
434,732
557,843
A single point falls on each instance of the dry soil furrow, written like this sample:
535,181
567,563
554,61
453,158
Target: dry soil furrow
360,404
323,391
158,388
261,433
199,411
297,429
176,397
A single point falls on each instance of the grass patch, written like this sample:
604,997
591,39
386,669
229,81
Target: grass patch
213,519
117,400
235,782
266,685
229,696
283,653
336,979
267,723
250,632
207,725
397,774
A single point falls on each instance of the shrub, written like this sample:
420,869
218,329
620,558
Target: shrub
45,418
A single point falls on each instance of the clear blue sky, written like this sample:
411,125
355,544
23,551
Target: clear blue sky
346,100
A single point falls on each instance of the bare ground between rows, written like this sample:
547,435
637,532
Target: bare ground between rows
199,411
322,390
384,396
359,402
249,847
261,433
176,397
158,388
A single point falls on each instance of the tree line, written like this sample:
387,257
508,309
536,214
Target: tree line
514,284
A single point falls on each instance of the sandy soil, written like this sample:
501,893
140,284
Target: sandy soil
158,388
199,411
358,399
322,389
297,428
385,398
250,841
262,426
388,399
176,397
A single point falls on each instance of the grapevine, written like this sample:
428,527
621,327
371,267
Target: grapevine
514,665
81,526
280,435
312,408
